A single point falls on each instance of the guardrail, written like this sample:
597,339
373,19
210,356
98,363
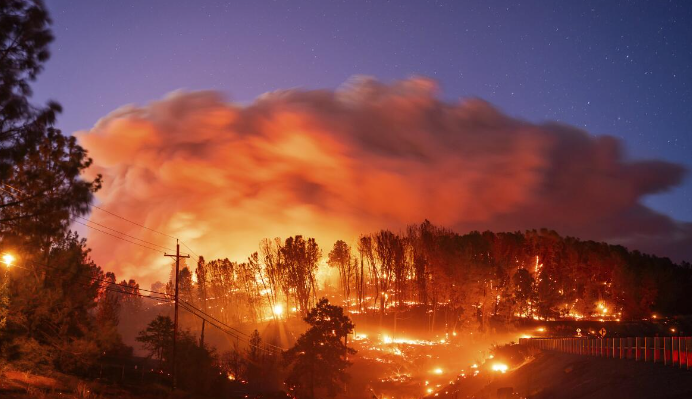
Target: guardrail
670,351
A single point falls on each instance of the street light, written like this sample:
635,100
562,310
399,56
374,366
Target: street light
7,259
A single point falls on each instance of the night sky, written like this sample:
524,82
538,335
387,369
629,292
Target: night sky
617,68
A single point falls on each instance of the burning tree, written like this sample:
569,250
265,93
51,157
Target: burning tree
367,255
273,271
249,279
340,258
301,257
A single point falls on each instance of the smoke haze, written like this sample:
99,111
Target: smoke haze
336,163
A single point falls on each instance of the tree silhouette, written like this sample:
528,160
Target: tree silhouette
24,38
273,270
301,257
42,167
340,258
198,366
157,338
523,286
42,193
254,358
318,361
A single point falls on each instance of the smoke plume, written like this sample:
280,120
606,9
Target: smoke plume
333,164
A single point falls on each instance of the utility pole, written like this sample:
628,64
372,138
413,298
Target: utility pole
202,279
175,323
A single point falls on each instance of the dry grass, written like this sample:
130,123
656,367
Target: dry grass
84,391
29,379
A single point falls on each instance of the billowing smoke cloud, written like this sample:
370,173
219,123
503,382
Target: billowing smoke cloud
332,164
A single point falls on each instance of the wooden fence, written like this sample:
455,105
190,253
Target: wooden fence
670,351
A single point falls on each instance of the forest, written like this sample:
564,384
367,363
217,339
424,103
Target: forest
474,277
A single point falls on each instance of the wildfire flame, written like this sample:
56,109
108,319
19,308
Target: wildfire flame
501,367
278,310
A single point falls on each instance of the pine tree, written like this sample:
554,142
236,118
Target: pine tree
318,361
157,338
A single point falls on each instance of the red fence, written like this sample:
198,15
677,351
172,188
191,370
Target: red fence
670,351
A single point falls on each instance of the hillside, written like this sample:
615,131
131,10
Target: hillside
565,376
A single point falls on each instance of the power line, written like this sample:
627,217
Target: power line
193,252
112,229
214,318
145,227
102,280
118,288
192,310
135,223
166,297
150,229
234,335
125,234
96,223
110,289
219,321
120,285
121,291
118,237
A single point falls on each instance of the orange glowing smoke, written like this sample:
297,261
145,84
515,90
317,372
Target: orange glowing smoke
334,164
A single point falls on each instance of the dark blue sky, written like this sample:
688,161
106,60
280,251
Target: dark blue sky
611,67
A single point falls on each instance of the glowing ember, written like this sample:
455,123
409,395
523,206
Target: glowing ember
386,339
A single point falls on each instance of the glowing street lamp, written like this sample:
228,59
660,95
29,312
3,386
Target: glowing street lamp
7,259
